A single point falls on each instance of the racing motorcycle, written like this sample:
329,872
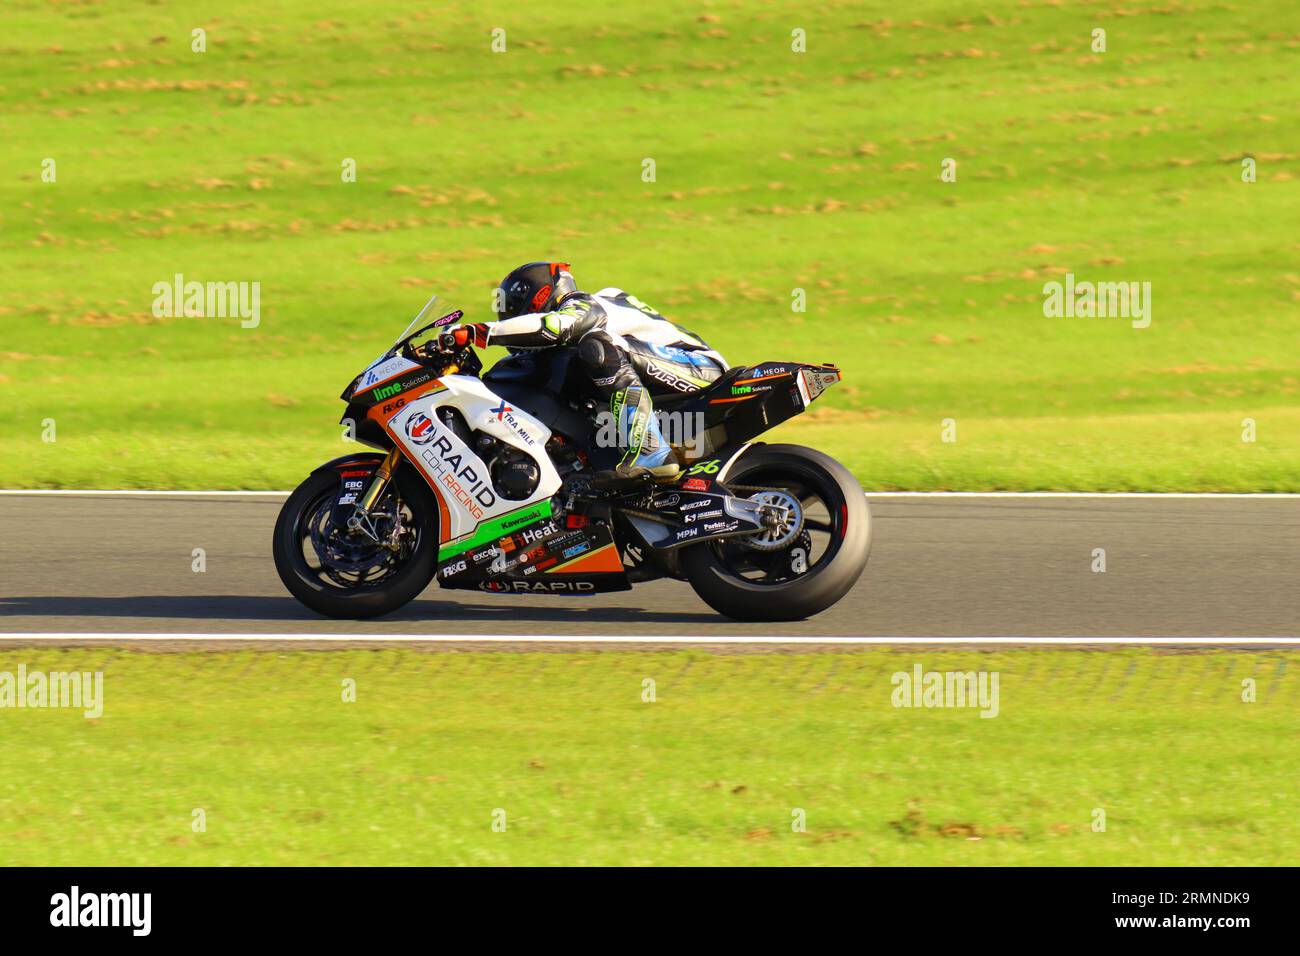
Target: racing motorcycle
486,481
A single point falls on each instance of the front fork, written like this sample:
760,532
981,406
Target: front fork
361,521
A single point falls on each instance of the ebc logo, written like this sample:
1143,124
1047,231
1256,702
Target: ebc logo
419,428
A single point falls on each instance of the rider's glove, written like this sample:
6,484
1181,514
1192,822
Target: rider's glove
463,335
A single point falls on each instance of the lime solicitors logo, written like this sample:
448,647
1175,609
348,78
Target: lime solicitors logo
211,300
83,690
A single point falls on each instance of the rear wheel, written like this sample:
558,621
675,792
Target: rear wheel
353,574
797,569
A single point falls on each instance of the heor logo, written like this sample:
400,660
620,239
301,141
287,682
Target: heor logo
386,370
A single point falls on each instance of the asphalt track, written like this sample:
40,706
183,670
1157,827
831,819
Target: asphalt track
940,567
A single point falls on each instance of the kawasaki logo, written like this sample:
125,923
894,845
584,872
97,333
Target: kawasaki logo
522,519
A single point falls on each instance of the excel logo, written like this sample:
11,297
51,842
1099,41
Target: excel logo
387,391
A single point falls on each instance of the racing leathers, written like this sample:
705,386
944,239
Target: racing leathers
631,352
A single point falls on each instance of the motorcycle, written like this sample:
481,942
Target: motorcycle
485,481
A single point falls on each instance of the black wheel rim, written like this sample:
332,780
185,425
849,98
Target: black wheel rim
824,526
328,556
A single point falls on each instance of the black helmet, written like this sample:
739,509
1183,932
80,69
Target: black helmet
535,287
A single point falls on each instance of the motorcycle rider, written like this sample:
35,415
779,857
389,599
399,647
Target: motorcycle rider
627,348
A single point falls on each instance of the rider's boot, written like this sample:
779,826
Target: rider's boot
648,457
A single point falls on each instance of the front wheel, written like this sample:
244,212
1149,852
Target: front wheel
789,573
357,574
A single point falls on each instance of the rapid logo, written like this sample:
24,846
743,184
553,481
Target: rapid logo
557,587
419,428
447,463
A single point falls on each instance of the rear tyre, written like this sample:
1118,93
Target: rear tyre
350,576
818,568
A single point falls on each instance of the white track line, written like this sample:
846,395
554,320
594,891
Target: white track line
1227,495
641,639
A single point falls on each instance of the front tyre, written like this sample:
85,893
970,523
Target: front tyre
353,575
749,581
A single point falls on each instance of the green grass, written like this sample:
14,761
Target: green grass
710,772
775,171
